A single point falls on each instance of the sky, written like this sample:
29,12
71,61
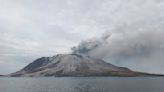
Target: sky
30,29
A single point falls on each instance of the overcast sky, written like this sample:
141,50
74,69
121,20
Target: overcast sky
33,28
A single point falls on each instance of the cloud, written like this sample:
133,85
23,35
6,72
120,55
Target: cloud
34,28
135,30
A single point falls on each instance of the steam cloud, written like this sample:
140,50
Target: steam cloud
139,48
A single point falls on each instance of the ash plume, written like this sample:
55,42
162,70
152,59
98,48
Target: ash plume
139,49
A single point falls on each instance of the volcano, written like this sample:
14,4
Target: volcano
74,65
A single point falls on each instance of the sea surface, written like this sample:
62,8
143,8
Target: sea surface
83,84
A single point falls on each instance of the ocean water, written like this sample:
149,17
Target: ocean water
83,84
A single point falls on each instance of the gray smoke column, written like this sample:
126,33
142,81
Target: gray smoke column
139,48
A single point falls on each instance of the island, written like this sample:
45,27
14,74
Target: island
75,65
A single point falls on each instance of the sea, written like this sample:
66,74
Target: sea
82,84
